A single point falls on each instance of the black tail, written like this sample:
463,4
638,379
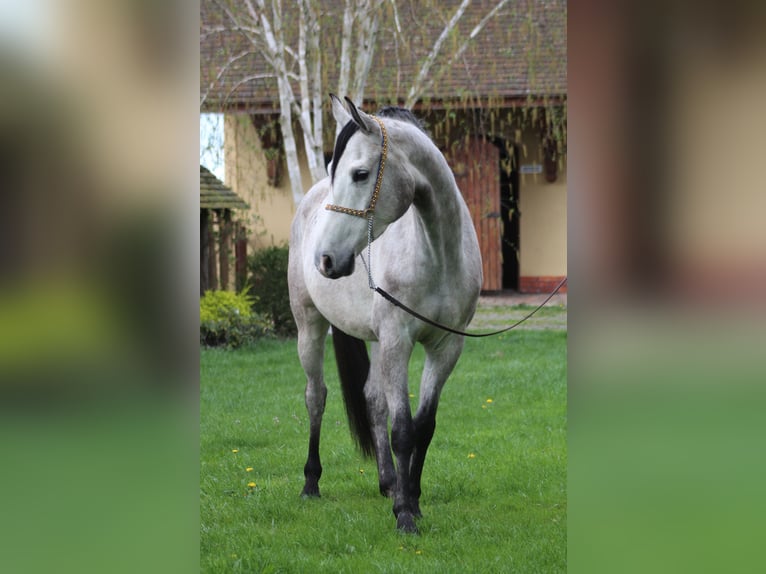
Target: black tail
353,368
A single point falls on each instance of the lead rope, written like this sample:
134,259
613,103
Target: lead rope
390,298
393,300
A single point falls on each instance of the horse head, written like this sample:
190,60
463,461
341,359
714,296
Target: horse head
370,185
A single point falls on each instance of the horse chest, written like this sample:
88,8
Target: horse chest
345,302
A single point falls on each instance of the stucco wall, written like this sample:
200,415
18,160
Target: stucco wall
271,208
543,220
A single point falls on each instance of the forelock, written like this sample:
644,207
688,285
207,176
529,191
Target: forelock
340,144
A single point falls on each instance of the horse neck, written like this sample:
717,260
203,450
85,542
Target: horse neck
438,204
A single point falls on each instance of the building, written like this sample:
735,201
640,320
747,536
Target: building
497,111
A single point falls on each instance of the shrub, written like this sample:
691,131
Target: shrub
227,320
268,280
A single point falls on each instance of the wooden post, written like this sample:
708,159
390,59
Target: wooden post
224,230
211,260
204,252
240,254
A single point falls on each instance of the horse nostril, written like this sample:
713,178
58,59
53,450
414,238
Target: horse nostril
333,266
326,262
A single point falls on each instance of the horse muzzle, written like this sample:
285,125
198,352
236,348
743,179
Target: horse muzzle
333,265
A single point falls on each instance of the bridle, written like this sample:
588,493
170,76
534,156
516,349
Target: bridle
369,215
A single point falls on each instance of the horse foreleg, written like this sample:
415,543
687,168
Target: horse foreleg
311,341
390,367
377,409
439,364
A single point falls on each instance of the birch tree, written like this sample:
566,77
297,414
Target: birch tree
294,60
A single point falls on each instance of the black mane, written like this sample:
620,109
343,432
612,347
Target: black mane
402,114
351,128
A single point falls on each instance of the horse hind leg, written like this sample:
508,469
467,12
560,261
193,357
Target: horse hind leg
311,342
439,364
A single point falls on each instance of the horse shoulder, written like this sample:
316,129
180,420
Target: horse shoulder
314,197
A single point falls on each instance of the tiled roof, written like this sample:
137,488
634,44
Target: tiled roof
520,53
213,194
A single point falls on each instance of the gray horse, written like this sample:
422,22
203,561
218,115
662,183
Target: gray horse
390,211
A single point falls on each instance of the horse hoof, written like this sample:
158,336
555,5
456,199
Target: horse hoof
405,522
310,492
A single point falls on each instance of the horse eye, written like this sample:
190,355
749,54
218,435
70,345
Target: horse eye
360,175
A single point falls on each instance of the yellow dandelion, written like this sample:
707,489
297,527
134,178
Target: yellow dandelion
418,552
489,400
361,471
235,450
251,485
471,455
249,469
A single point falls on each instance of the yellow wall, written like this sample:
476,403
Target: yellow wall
713,193
271,208
543,208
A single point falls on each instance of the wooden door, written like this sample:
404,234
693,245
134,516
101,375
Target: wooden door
476,165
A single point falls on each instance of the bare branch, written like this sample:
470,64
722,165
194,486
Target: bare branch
222,71
290,52
396,17
245,80
459,53
236,21
210,30
417,85
251,10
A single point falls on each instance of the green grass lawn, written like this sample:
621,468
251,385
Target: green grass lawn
494,484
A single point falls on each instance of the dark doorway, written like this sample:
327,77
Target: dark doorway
509,212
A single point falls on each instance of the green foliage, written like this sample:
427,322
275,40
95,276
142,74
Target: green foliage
219,305
268,280
494,485
227,320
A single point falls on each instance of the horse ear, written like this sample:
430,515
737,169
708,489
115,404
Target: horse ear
364,121
339,111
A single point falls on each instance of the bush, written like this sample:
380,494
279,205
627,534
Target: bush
268,280
227,320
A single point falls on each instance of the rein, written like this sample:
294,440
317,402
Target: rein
369,215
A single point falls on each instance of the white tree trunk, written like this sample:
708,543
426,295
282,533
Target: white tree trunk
367,37
291,150
275,44
345,56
